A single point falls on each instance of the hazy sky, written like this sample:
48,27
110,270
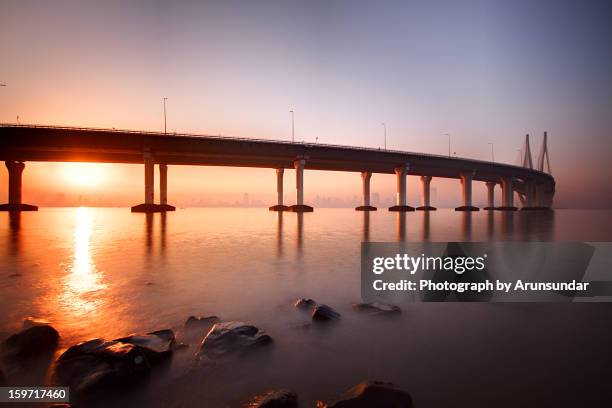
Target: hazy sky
482,71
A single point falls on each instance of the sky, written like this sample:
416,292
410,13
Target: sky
480,71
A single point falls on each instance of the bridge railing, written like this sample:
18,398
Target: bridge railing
249,139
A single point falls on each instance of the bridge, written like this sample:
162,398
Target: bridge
22,143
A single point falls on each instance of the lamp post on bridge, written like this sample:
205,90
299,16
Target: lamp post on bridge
292,126
165,99
384,125
492,154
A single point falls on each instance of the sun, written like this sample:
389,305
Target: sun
84,174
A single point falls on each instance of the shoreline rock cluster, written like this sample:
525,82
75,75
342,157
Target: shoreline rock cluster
98,366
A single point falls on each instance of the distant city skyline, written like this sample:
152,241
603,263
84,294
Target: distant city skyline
480,71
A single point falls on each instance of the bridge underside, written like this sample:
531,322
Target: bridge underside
19,144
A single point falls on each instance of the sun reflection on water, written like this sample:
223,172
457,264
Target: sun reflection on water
83,282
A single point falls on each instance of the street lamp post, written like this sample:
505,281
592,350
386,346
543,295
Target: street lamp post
384,125
492,154
165,99
292,126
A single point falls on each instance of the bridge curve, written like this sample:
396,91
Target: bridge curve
21,143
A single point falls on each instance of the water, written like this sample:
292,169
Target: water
107,273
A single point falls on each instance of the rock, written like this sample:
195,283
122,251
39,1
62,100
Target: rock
324,313
157,345
369,394
32,341
280,398
232,337
200,321
2,379
33,321
98,365
304,303
377,308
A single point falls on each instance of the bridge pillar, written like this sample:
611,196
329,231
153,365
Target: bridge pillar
365,179
279,190
425,183
299,185
401,173
490,195
149,205
466,192
163,188
535,197
507,194
15,171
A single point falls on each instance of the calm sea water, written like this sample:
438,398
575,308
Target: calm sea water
107,273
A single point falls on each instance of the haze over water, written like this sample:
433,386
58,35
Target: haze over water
96,272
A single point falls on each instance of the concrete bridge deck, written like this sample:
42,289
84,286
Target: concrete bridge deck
21,143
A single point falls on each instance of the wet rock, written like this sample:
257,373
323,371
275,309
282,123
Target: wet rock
280,398
232,337
32,341
200,321
98,365
304,303
369,394
157,345
33,321
324,313
377,308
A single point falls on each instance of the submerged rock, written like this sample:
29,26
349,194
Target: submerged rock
232,337
32,341
157,345
324,313
96,366
369,394
304,303
377,308
280,398
200,321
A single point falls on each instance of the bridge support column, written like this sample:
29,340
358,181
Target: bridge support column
299,185
490,195
425,183
401,173
507,194
466,192
279,190
535,197
15,171
365,178
163,188
149,205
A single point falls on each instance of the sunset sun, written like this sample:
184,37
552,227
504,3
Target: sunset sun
84,174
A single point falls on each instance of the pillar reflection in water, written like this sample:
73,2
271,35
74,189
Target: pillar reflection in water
507,224
299,232
162,238
365,234
83,279
401,226
279,234
15,231
490,224
149,231
466,226
425,226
